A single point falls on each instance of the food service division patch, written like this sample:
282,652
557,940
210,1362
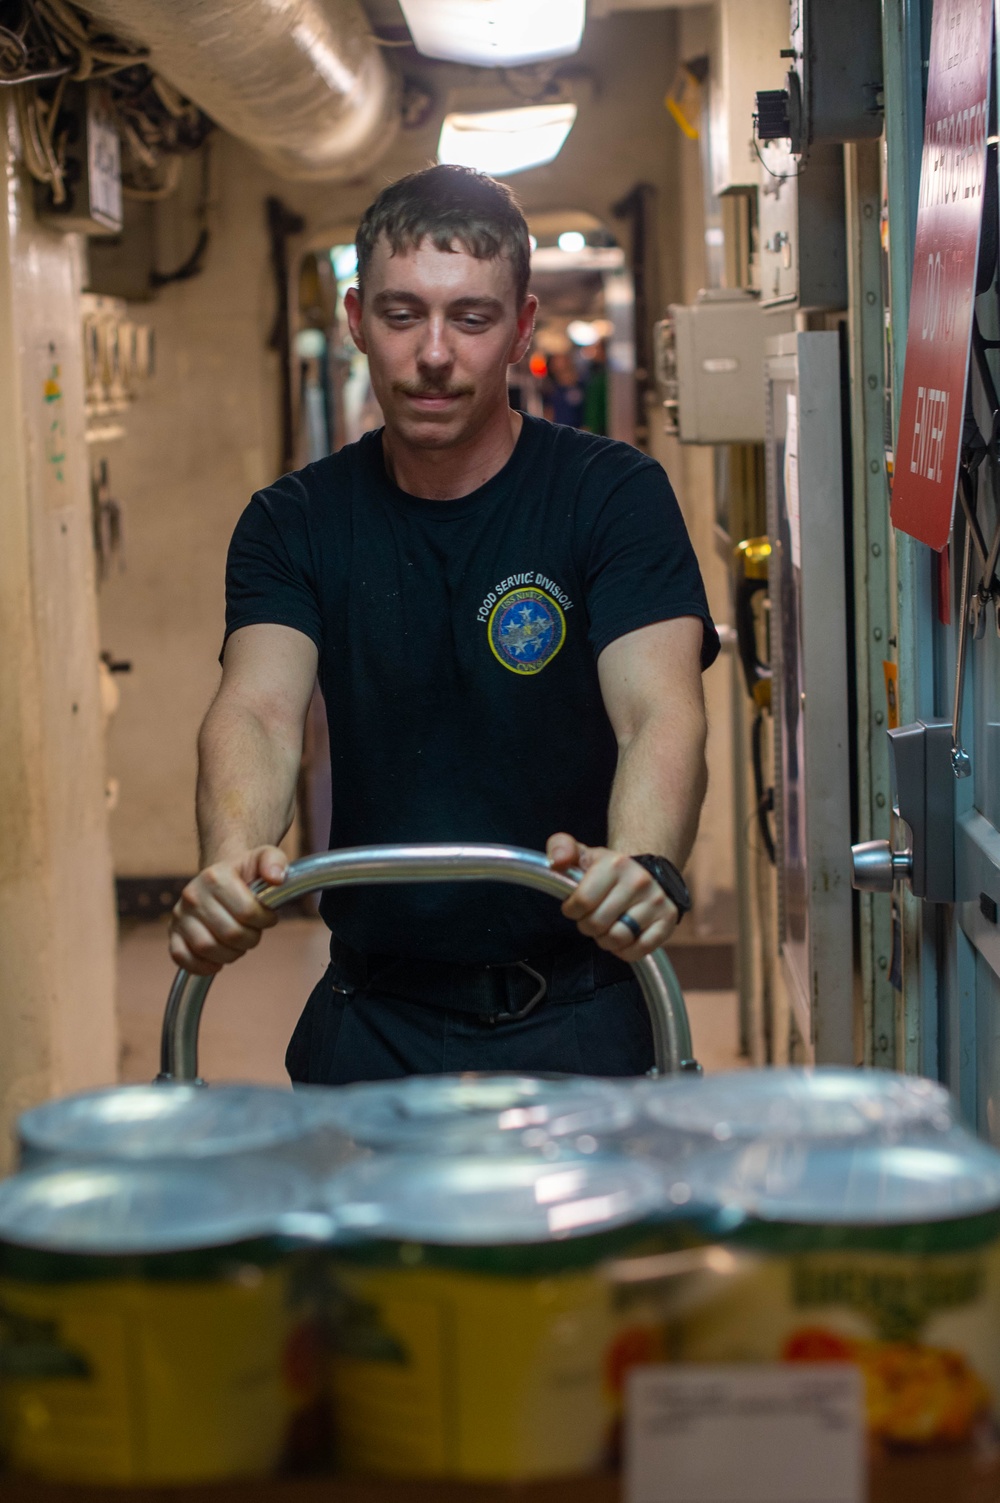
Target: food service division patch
527,629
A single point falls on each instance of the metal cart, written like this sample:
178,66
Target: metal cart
378,865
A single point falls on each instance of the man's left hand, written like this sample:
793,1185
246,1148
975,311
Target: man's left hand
613,884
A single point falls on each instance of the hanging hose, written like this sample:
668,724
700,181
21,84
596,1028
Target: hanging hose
764,796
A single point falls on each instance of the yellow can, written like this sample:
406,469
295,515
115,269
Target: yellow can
152,1328
448,1372
875,1216
917,1309
478,1333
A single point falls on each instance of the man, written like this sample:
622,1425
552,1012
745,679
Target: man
509,627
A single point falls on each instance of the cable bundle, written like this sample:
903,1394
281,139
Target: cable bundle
46,44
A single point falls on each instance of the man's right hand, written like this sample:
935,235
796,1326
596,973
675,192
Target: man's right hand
217,918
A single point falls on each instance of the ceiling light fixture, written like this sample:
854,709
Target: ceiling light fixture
572,240
495,33
583,333
344,259
502,142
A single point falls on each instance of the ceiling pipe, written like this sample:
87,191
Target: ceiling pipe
301,81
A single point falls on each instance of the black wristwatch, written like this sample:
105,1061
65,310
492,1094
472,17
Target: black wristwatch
663,870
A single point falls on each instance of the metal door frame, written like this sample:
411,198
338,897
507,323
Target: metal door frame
813,362
874,623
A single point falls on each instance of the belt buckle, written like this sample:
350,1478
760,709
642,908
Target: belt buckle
531,1004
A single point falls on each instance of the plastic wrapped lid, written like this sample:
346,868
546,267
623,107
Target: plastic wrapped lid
496,1201
501,1113
102,1208
823,1104
859,1183
163,1121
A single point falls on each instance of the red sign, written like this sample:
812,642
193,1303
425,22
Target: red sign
949,213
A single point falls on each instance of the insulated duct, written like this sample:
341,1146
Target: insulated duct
302,81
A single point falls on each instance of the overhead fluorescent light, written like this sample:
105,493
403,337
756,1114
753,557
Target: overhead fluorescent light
495,33
502,142
344,259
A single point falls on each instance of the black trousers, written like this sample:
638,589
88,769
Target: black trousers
381,1022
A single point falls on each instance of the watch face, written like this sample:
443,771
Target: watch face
671,881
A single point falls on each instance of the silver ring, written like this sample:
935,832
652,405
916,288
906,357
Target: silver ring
632,925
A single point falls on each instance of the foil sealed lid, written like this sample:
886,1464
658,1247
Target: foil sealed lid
146,1122
494,1201
101,1208
822,1104
500,1113
853,1183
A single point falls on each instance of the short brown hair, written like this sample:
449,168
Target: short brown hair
448,204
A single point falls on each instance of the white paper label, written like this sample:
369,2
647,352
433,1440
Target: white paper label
105,172
790,1433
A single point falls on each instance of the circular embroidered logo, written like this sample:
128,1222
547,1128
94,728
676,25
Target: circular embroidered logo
527,629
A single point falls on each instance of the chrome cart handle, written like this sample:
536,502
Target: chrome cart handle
367,866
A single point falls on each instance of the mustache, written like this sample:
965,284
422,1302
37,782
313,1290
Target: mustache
432,389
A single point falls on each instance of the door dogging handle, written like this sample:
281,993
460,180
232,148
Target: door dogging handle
366,866
923,801
876,867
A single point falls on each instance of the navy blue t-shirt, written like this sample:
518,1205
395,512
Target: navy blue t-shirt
458,645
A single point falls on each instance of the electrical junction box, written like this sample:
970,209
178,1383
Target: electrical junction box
710,367
92,166
746,56
838,62
803,228
833,90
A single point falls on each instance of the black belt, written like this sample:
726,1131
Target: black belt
495,993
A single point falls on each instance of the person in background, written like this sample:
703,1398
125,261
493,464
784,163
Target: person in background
594,417
510,628
563,392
